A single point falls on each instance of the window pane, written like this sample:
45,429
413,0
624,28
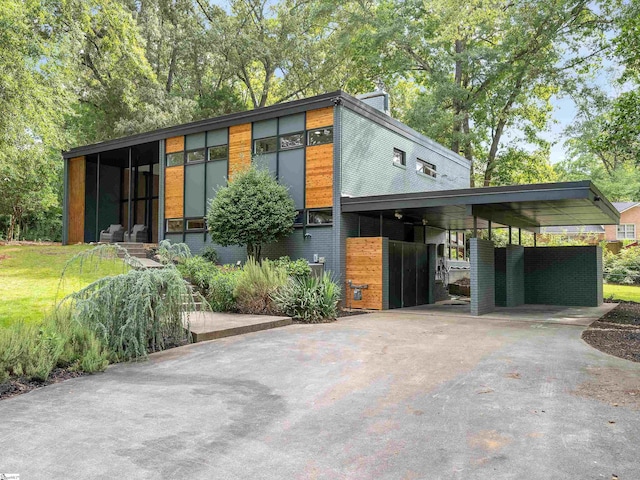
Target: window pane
266,145
195,224
195,156
425,167
398,157
299,217
320,217
174,225
320,136
218,153
291,141
175,159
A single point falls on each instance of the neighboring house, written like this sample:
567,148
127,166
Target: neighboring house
375,198
628,229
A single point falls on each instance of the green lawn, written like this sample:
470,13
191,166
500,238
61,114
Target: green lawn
630,293
30,279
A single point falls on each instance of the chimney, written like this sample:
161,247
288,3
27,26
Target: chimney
378,100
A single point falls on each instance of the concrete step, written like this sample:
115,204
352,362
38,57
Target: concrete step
214,325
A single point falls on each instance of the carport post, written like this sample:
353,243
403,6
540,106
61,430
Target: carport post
489,229
475,227
519,236
535,239
509,234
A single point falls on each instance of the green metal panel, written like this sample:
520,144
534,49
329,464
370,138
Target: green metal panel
291,174
195,140
217,137
265,128
268,161
291,124
216,177
194,190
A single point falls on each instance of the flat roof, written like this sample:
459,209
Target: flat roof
524,206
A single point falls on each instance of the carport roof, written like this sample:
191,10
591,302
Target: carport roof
524,206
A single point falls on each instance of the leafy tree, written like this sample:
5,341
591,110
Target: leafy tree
253,210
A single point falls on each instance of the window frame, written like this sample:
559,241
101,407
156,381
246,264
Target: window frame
197,219
172,154
403,155
217,159
311,130
256,140
317,210
166,225
187,152
284,149
626,232
432,167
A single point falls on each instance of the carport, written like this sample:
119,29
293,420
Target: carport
508,276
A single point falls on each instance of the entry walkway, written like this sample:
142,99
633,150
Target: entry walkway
578,316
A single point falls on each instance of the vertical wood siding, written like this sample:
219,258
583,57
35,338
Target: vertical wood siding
322,117
174,144
174,192
319,177
365,266
239,148
77,180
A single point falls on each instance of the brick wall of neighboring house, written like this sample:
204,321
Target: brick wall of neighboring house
628,216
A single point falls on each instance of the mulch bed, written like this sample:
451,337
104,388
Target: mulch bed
618,332
18,386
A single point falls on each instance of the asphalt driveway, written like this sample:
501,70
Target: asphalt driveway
383,396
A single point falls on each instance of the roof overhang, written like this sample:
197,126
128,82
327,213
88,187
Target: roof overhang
524,206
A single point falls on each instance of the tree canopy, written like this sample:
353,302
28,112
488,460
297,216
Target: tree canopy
479,77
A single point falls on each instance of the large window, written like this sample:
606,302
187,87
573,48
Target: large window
627,231
425,168
399,157
174,159
265,145
320,136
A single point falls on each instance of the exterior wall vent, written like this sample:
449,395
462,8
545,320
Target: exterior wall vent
378,100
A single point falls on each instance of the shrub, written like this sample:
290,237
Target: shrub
216,284
255,285
34,351
210,254
136,312
172,252
294,268
623,268
309,299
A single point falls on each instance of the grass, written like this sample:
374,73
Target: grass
30,279
629,293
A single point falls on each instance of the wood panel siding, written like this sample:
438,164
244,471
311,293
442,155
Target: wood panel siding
239,148
319,177
174,144
174,192
322,117
77,181
365,267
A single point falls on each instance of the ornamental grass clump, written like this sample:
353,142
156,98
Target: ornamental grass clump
256,283
309,299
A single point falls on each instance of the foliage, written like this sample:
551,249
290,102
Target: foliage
256,284
30,279
135,312
253,210
215,283
169,252
34,351
293,268
622,268
210,254
310,299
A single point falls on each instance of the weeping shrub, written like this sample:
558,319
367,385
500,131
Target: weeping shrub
136,312
309,299
33,351
255,285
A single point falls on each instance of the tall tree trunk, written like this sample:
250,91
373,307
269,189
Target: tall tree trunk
172,67
457,103
468,148
493,151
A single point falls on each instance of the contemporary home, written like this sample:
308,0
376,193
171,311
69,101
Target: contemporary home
378,202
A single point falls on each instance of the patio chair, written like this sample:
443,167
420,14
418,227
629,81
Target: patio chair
138,234
115,233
